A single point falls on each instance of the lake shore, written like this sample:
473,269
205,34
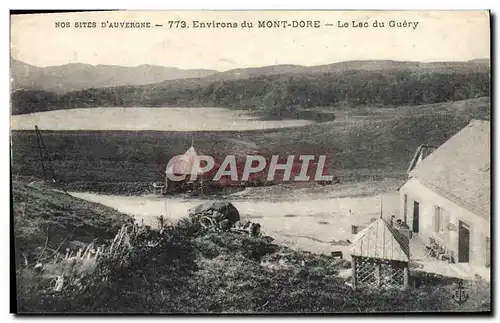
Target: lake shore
152,119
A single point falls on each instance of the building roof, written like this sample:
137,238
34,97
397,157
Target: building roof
460,168
381,240
422,152
184,166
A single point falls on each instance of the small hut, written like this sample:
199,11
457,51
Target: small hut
185,167
380,257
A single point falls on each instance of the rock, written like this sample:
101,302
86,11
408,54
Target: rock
217,216
75,245
255,230
225,225
218,211
268,239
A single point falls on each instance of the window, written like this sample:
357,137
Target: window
405,209
441,220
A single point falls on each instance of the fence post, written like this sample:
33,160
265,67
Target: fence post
378,273
406,277
354,272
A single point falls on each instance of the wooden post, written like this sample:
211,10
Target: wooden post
354,272
377,273
406,277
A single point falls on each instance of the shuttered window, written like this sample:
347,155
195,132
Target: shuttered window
441,220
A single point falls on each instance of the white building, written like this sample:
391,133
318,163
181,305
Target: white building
447,195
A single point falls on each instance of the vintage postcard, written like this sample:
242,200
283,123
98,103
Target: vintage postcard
251,162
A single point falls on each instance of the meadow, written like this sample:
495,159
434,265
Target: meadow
363,144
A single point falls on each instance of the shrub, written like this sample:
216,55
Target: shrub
182,268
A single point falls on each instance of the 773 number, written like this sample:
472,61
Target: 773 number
177,24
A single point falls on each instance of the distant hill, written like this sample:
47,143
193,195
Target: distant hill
77,76
28,101
480,61
72,77
479,65
283,90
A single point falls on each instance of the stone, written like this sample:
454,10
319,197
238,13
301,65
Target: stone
218,211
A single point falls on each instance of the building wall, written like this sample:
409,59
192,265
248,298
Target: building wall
428,200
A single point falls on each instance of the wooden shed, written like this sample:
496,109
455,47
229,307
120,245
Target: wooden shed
380,256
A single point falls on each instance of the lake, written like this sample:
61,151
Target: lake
159,119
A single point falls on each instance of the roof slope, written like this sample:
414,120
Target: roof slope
422,152
460,168
184,166
380,240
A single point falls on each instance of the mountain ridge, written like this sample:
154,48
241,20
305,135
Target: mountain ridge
79,76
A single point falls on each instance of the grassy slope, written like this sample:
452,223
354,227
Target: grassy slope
41,213
195,271
377,141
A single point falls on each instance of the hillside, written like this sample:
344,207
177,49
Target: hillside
340,67
281,91
56,220
72,77
186,268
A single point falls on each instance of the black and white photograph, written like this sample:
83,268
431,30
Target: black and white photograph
251,162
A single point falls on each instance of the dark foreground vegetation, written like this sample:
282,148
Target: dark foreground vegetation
52,220
185,268
370,144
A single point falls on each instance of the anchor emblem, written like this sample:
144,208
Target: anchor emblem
460,296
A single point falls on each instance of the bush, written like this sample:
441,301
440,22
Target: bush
183,269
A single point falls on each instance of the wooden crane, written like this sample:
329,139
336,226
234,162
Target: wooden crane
48,170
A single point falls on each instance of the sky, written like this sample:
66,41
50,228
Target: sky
439,36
